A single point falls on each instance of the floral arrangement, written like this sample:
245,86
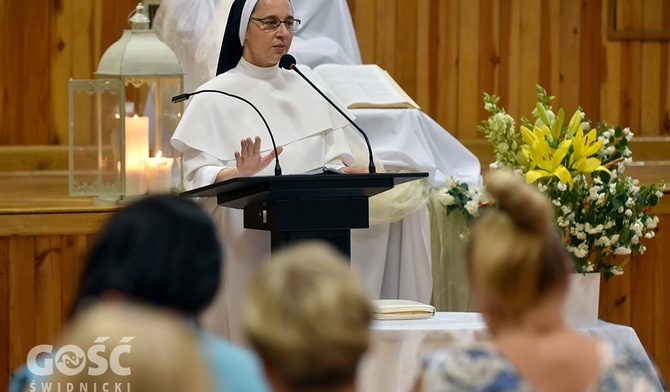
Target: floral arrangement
579,165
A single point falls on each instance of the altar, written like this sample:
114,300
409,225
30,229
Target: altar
393,361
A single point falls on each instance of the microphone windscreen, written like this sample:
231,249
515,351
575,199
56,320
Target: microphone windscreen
287,61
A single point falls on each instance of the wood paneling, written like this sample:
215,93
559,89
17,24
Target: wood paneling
39,277
444,53
44,237
505,47
43,44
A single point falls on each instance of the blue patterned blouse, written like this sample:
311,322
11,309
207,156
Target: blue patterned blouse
482,368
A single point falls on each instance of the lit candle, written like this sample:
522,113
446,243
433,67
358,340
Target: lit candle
137,138
136,182
159,174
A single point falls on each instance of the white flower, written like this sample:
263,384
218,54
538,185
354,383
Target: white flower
616,270
541,187
627,132
450,183
603,241
446,199
637,226
562,187
651,223
650,234
472,207
628,213
580,251
622,251
589,267
495,166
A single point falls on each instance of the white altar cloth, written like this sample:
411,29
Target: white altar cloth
393,361
410,139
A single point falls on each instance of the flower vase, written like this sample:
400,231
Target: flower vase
580,309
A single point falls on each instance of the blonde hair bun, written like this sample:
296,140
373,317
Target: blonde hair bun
529,209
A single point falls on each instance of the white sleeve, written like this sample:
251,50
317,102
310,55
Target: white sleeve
200,168
337,150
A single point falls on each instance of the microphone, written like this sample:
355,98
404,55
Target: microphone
186,96
288,62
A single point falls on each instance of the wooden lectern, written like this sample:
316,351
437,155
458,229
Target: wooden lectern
298,207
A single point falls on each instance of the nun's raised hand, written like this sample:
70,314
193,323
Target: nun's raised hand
249,160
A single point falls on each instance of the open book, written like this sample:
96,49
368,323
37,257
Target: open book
361,86
401,309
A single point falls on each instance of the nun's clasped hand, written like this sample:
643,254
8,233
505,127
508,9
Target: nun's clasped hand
249,160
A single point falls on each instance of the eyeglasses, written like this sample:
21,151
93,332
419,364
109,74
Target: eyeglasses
272,24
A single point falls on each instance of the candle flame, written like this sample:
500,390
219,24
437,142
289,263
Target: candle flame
117,116
136,117
159,154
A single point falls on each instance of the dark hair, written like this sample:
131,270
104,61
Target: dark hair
162,250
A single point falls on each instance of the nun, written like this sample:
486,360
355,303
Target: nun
221,137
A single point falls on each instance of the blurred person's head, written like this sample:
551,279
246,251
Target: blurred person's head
308,317
161,250
515,256
144,349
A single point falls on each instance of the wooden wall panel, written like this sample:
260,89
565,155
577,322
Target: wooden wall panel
444,53
446,68
22,317
4,311
662,300
43,44
39,277
568,52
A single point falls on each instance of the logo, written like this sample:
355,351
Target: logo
72,360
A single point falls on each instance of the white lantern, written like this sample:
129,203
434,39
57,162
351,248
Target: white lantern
122,121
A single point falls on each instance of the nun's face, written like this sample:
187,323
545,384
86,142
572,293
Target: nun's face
264,48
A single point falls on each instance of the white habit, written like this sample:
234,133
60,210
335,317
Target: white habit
210,132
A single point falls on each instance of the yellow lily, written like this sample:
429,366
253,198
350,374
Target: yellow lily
548,162
583,148
538,134
575,122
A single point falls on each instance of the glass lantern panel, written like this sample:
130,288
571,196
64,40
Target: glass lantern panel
169,116
95,134
150,98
